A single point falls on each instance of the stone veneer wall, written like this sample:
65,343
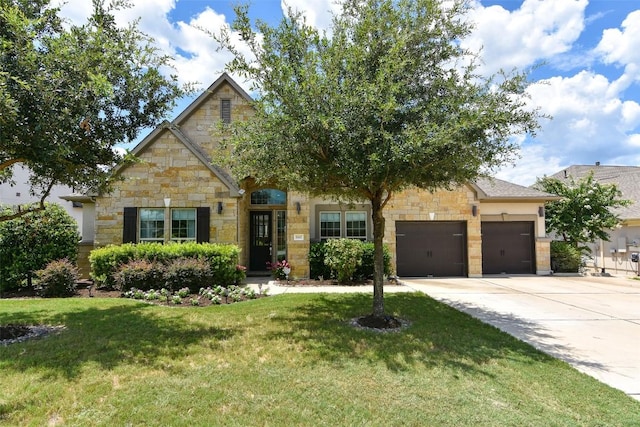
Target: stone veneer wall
416,205
198,125
298,226
168,170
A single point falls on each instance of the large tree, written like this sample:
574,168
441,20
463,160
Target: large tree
585,212
69,93
385,101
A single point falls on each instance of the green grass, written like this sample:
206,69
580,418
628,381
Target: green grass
286,360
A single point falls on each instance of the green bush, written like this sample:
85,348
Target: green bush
28,243
57,279
318,268
343,256
565,258
222,259
141,274
366,268
192,273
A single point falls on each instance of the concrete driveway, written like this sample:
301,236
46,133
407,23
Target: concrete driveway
593,323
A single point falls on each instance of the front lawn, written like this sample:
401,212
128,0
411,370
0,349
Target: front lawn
286,360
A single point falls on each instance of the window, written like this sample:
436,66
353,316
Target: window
268,196
329,225
356,224
225,111
183,224
152,225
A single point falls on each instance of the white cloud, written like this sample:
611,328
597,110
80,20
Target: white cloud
316,12
622,46
537,30
590,123
533,163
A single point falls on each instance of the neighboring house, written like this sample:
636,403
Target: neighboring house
19,194
615,255
176,193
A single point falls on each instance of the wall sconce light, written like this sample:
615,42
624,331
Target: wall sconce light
298,207
167,202
541,211
432,215
474,210
219,208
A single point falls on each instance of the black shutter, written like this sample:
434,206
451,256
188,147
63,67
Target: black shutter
129,229
202,225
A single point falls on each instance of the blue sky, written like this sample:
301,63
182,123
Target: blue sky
590,77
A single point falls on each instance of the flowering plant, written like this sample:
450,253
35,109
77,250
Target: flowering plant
279,270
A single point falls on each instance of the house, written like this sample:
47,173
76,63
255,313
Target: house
615,255
19,193
176,193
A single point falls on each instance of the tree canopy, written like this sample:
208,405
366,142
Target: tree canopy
69,93
387,100
585,212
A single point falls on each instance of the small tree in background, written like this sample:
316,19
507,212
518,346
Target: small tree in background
28,243
585,212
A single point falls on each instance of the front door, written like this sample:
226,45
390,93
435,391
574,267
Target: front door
261,245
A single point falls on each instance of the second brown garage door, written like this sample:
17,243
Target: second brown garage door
431,248
508,247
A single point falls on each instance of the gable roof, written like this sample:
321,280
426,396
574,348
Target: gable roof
196,149
495,189
204,96
626,178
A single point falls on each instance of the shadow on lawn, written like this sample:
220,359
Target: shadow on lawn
438,336
126,333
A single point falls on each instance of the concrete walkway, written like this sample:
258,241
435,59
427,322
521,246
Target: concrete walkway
592,323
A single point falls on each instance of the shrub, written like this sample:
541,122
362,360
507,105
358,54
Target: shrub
57,279
192,273
363,271
343,256
138,273
317,266
30,242
366,268
222,259
565,258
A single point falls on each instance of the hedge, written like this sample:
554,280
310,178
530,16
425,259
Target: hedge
222,258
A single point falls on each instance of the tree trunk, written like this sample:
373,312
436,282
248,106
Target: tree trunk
378,258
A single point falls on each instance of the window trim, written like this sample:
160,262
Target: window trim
346,228
320,208
322,237
195,225
139,226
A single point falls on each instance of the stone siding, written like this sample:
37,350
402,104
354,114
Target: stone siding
455,205
167,169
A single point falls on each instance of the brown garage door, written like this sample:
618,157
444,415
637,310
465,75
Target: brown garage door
433,248
508,247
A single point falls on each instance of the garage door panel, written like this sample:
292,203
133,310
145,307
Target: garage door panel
431,248
508,247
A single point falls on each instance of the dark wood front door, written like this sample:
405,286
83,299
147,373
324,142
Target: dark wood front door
261,245
431,248
508,248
